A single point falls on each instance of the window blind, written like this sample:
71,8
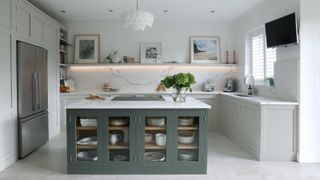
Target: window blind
262,58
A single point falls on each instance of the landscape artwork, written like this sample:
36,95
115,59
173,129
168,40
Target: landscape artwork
205,50
86,48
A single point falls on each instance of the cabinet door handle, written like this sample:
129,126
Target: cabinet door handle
205,119
139,119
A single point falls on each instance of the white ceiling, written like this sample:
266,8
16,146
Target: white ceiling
178,9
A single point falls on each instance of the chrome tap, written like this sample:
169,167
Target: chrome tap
251,86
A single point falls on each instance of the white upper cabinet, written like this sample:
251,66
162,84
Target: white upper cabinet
51,35
23,21
37,28
5,14
30,24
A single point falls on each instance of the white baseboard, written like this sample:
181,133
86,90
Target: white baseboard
308,158
8,160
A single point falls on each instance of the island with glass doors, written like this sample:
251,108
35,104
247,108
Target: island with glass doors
127,136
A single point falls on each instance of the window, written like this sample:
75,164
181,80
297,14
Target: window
262,58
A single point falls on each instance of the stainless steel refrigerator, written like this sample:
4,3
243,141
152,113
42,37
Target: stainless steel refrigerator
32,97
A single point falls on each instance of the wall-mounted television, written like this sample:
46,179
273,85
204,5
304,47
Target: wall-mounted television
282,31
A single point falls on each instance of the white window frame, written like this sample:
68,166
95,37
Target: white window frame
256,32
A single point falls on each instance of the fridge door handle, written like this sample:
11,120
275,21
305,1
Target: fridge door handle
38,91
34,93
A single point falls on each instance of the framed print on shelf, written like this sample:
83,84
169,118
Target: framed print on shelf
205,49
86,48
150,52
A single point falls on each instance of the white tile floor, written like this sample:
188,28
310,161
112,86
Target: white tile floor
226,161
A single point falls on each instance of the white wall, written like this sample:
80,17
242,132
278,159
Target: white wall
288,57
174,36
310,82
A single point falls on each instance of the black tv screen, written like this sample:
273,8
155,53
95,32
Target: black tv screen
282,31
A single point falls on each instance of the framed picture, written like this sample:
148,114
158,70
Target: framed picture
86,48
150,52
205,49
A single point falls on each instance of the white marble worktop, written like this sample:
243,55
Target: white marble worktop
253,99
190,103
260,100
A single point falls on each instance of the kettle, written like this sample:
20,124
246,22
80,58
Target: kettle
229,85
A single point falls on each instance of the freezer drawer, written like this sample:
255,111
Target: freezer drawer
33,133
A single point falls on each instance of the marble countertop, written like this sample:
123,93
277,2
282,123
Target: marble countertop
190,103
260,100
253,99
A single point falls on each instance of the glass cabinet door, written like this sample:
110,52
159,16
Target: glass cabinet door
119,138
86,138
188,138
155,138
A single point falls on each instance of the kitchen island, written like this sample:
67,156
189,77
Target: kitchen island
137,136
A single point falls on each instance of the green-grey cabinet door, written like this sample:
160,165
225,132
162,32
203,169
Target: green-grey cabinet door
84,138
190,141
154,145
119,141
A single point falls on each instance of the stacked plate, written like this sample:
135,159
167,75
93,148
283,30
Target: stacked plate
154,156
156,121
87,156
186,121
88,122
185,155
186,137
118,122
88,141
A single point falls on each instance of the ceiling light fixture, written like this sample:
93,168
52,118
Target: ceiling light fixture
212,11
110,10
63,11
136,20
166,10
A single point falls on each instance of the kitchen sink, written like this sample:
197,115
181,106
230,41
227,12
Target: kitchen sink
138,98
241,95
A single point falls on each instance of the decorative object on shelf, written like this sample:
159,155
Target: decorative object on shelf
113,57
136,20
150,52
64,89
161,88
107,87
227,57
130,60
94,97
269,81
234,58
180,83
205,49
87,48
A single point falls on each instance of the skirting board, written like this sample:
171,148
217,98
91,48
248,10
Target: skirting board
8,160
308,158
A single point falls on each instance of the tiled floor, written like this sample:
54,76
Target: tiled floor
226,161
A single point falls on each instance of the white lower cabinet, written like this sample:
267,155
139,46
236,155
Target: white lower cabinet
269,132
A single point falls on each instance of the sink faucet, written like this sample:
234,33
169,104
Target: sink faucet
251,86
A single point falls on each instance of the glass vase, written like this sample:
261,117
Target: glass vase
179,95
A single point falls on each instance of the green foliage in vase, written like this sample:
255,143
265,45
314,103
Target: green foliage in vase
179,81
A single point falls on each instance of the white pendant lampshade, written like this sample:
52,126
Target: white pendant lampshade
137,20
